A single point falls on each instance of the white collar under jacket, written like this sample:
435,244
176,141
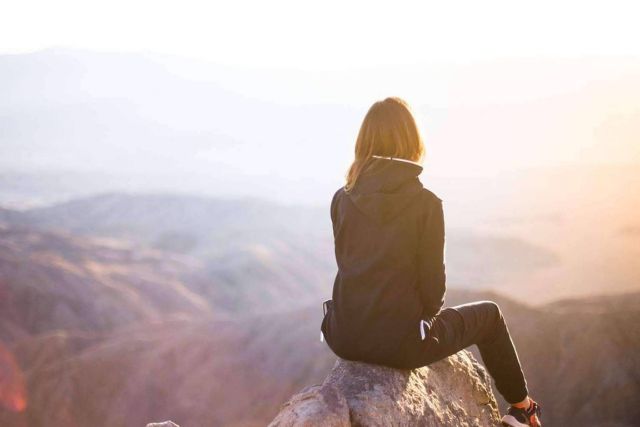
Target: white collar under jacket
396,158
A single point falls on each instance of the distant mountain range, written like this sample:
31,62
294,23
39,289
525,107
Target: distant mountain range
106,333
277,253
208,311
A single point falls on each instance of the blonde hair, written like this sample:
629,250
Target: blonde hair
389,129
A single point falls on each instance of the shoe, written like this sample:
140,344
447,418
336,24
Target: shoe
520,417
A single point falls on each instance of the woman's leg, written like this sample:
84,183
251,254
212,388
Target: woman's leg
483,324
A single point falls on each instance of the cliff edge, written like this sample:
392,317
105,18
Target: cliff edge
454,391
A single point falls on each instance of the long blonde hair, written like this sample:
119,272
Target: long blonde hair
388,129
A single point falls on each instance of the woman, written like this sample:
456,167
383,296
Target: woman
388,295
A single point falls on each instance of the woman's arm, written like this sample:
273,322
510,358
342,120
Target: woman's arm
333,210
431,269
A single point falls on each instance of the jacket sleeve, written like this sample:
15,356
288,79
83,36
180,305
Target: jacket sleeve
431,267
334,211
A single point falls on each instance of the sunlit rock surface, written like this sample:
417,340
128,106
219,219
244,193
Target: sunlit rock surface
454,391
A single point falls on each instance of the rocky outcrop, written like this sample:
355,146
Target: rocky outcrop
454,391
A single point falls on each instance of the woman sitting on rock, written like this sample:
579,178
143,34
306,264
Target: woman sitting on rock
388,294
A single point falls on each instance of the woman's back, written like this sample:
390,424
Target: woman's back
378,227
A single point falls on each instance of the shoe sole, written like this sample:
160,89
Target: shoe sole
510,421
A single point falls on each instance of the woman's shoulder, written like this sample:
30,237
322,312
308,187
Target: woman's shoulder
429,196
337,194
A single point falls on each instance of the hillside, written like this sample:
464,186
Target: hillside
174,369
158,328
562,343
195,372
54,281
284,252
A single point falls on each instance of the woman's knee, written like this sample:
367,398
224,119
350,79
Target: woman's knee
494,311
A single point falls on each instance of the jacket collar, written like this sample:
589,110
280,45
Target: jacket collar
387,174
386,188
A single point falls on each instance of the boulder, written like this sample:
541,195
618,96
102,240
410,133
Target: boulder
455,391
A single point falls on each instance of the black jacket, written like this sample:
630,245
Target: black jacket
389,247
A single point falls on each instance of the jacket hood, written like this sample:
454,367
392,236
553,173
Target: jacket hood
385,188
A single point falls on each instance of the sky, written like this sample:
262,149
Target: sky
328,34
496,85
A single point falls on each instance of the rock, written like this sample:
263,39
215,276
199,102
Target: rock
163,424
454,391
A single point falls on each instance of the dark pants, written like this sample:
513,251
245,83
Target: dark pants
459,327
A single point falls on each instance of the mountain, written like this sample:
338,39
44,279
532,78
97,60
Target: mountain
181,223
240,371
239,255
579,355
195,372
111,322
264,247
53,281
